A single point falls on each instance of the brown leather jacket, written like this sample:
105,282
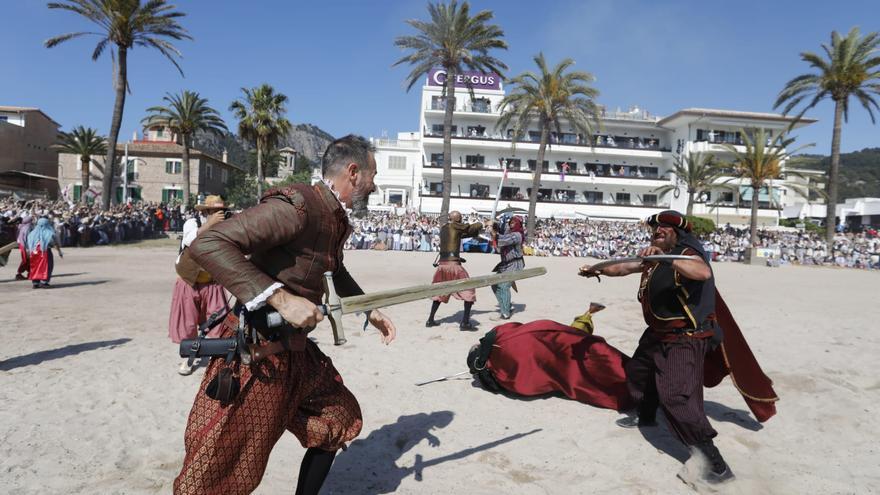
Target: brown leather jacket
293,236
451,235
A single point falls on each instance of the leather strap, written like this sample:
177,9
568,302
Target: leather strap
291,342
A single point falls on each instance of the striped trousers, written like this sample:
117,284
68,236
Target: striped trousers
669,375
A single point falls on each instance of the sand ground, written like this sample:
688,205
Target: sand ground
90,400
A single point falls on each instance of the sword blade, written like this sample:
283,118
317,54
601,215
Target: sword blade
381,299
637,259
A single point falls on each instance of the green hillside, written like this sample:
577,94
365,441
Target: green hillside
859,171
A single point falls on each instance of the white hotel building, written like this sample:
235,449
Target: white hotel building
616,178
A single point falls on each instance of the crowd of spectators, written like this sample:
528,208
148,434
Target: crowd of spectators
613,239
89,225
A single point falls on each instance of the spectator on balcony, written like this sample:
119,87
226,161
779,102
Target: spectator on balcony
611,141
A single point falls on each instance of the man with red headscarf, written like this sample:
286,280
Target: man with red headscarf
508,236
675,352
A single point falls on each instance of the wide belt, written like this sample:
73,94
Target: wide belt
284,339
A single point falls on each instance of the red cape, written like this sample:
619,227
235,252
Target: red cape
544,356
734,357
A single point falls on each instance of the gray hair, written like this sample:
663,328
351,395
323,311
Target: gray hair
345,150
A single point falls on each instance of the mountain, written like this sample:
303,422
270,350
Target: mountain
308,140
859,171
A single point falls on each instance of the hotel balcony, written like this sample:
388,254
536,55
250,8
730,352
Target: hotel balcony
595,174
477,137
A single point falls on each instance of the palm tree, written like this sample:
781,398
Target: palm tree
86,143
185,115
261,120
547,99
761,163
850,69
455,41
697,172
124,24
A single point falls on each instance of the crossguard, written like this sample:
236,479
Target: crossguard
332,309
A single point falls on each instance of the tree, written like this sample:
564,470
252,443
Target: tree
262,121
455,41
849,69
697,172
762,162
124,24
547,99
185,115
85,143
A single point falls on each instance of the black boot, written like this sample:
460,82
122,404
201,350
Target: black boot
466,324
313,471
718,470
435,305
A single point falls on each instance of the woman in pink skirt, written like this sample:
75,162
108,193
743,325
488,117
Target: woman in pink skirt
194,300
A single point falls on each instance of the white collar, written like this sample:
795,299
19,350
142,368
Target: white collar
338,199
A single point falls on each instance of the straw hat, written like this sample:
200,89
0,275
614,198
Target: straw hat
212,202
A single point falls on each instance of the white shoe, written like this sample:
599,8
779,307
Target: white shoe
499,317
185,369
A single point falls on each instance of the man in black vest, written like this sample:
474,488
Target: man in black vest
666,370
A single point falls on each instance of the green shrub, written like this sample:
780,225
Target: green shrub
701,226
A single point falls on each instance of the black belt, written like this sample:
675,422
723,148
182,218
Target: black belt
706,326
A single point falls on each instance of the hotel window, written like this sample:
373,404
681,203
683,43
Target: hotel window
131,170
534,136
513,163
621,198
438,103
543,194
437,130
172,166
727,197
649,200
479,191
476,131
474,161
572,166
594,197
436,188
482,105
510,193
396,163
436,159
209,171
545,167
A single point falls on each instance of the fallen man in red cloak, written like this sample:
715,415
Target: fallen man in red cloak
544,357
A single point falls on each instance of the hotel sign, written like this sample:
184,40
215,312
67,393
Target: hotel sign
477,80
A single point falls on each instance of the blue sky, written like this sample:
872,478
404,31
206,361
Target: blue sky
333,58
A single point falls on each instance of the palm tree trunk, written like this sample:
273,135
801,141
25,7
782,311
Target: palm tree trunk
690,207
84,165
447,141
121,84
184,139
753,233
259,169
536,182
830,213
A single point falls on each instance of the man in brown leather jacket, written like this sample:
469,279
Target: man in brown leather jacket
293,236
449,267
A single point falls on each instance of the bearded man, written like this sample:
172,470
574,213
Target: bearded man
667,368
276,253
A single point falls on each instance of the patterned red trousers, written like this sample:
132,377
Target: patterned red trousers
227,448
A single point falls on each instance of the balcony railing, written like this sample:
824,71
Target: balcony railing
646,176
396,143
467,106
572,201
641,146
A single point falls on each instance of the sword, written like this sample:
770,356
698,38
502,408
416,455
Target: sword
636,259
334,306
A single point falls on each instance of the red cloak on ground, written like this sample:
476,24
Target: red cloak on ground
545,356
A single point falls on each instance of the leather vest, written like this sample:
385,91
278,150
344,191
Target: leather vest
300,265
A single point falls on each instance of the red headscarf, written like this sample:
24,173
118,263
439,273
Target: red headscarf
516,225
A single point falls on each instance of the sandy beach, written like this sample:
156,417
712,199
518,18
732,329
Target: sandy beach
91,402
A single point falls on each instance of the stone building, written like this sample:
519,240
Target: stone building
154,172
28,163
